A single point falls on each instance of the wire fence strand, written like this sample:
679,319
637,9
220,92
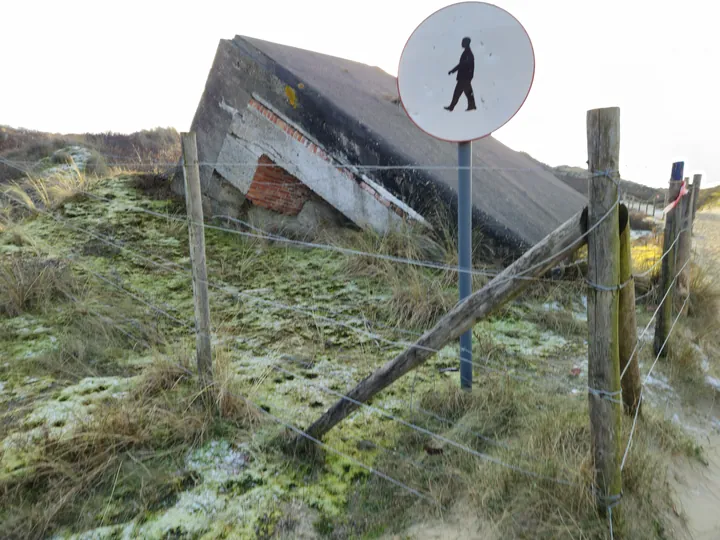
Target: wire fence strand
352,324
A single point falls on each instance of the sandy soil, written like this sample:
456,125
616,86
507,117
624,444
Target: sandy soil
698,487
698,492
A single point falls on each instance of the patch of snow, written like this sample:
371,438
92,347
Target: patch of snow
552,306
634,235
712,381
190,517
75,404
687,427
659,381
218,461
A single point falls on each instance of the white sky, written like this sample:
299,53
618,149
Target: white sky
76,66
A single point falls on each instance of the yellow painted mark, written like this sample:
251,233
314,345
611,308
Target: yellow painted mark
292,97
301,86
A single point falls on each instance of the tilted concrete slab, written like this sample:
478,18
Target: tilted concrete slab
351,111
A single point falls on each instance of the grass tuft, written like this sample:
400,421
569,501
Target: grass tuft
96,165
704,302
127,459
545,434
419,295
50,192
30,284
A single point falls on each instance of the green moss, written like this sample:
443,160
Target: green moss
283,360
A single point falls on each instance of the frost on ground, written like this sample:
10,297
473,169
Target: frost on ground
79,155
273,325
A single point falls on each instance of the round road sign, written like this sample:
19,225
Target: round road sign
465,71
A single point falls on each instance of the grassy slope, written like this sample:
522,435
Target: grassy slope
155,149
709,198
71,380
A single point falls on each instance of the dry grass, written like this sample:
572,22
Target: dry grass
33,283
124,460
51,192
418,300
704,303
96,165
684,363
548,435
419,295
709,198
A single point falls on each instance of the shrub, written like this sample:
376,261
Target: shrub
96,165
62,157
639,221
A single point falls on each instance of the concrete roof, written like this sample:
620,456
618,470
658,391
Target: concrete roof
521,195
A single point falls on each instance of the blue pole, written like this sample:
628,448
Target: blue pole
677,171
465,253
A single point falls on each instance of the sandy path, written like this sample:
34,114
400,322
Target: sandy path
698,492
698,487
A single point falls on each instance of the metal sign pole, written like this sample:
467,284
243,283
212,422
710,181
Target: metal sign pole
465,253
431,84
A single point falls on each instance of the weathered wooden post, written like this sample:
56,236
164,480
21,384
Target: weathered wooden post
684,244
552,249
603,138
668,267
196,230
629,365
697,179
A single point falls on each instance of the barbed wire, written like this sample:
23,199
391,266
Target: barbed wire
640,343
386,413
316,245
174,267
377,336
326,165
647,377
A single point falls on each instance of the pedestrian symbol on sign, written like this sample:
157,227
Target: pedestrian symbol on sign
465,72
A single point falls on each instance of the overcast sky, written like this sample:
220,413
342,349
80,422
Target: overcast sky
76,66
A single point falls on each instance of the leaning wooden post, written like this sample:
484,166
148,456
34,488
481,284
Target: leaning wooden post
196,229
697,179
603,137
629,374
540,258
667,273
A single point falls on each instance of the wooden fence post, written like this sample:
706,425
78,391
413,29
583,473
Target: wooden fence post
697,179
630,381
667,276
196,230
684,244
603,139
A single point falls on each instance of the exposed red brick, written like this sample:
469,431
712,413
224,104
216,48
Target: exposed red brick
287,202
276,189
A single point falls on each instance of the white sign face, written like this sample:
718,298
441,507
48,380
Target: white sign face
465,71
